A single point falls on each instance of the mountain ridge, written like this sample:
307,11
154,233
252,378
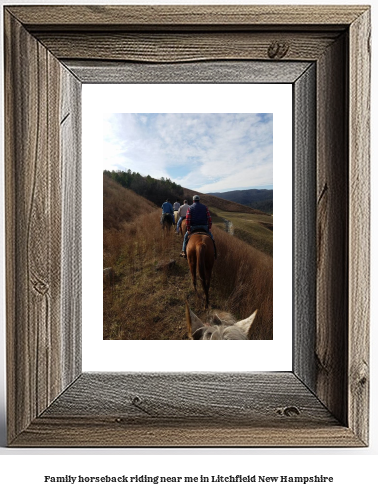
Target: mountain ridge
259,199
219,202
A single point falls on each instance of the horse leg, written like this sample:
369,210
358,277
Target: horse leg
206,287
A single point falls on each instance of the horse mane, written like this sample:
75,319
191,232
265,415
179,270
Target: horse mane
219,332
219,325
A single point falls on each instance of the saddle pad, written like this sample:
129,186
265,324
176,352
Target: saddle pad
200,232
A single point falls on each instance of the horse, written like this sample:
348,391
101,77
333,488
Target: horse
166,222
221,326
201,255
183,228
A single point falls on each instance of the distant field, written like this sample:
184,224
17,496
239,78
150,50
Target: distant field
255,229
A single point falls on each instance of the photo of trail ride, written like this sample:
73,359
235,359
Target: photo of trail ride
220,288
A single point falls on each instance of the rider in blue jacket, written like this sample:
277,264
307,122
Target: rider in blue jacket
167,209
198,218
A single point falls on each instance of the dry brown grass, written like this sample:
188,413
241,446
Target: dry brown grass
146,300
244,275
146,297
142,302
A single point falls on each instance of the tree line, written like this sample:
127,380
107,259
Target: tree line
155,190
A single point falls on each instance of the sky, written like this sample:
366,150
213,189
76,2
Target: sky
210,152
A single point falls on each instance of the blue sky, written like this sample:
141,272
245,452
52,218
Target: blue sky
205,152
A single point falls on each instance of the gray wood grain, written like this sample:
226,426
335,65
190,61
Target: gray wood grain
220,396
70,138
200,72
322,403
181,47
304,227
359,227
39,201
32,228
193,409
97,432
184,16
332,230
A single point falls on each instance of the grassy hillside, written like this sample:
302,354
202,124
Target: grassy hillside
145,297
254,229
121,205
155,190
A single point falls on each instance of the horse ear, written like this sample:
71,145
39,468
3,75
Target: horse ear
192,322
245,324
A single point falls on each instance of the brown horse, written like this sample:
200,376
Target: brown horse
183,228
201,256
166,222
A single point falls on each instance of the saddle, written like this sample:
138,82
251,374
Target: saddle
199,231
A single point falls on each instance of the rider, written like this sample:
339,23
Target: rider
176,207
167,209
198,218
182,214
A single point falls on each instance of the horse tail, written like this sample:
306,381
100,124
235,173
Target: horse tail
201,250
201,267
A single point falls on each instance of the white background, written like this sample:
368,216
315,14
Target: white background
155,355
354,470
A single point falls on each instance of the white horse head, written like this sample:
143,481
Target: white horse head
221,326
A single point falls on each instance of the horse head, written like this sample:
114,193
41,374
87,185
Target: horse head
221,326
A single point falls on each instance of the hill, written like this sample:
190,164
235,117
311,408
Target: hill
219,202
121,204
260,199
155,190
158,190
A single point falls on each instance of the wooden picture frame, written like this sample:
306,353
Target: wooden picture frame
324,52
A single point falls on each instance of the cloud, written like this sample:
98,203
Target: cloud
207,152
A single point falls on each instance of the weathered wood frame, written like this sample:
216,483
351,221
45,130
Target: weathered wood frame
49,52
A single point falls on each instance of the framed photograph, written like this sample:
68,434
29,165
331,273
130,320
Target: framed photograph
323,52
146,283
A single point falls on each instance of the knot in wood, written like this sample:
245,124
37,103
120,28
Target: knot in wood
363,381
288,411
277,50
41,287
136,400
